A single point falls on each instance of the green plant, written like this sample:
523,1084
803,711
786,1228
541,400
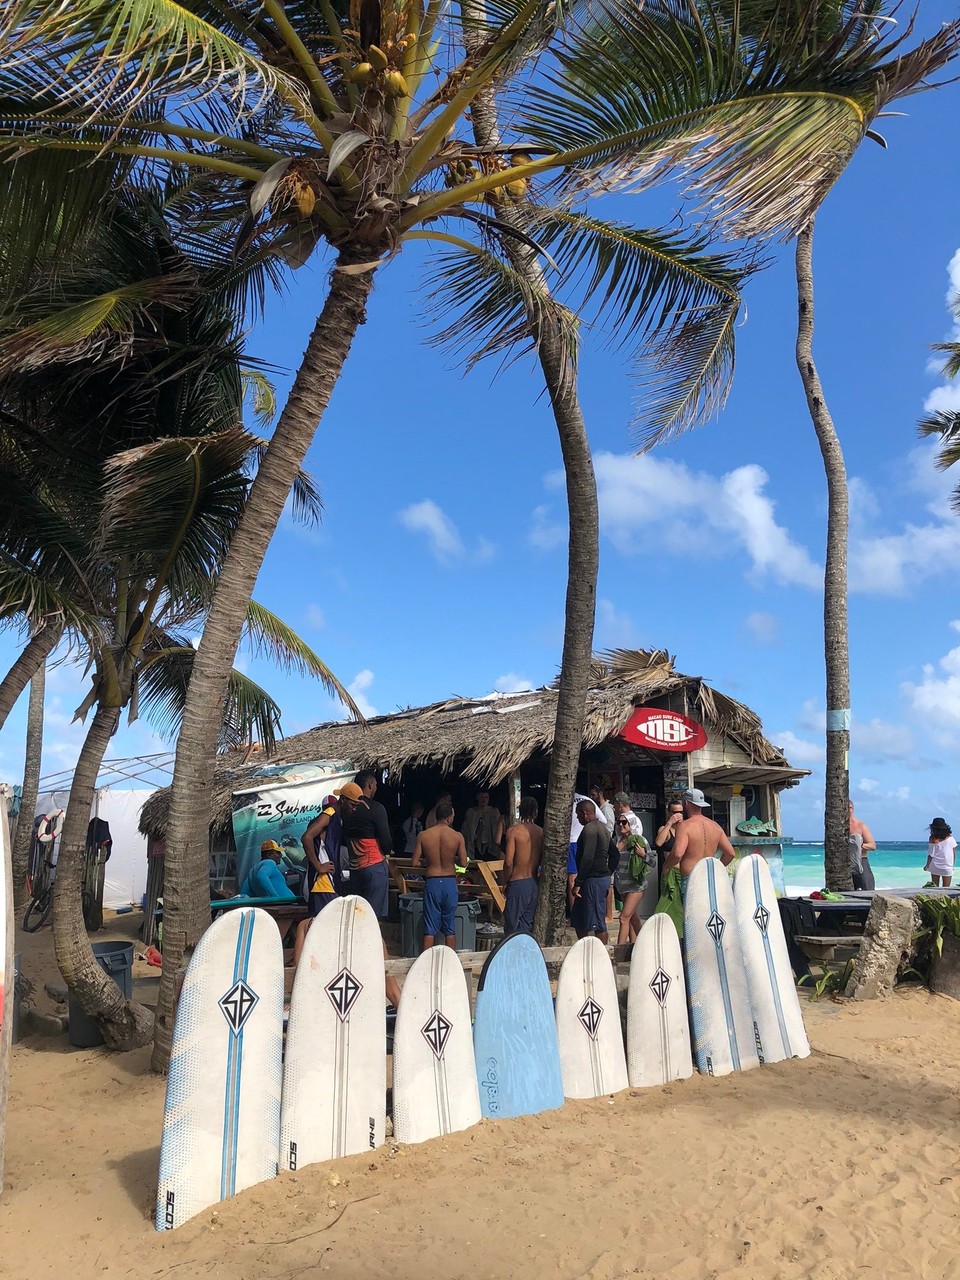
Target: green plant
937,917
832,981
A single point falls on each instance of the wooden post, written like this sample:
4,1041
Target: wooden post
9,993
513,801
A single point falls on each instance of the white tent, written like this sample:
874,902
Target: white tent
125,875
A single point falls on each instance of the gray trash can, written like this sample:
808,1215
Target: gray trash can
116,959
411,923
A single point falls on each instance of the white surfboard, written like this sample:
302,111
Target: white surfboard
658,1030
724,1036
221,1119
592,1060
335,1069
434,1072
770,981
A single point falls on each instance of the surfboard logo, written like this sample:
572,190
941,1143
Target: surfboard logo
715,927
590,1015
660,985
490,1083
436,1031
237,1005
343,991
761,917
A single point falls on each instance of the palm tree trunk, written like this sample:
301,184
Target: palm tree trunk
33,656
124,1024
186,886
583,558
836,654
23,841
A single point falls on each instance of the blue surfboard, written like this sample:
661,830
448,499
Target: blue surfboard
515,1033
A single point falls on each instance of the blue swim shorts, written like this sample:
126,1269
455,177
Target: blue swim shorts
440,898
373,883
589,913
520,906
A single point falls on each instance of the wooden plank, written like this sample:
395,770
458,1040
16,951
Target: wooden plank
487,874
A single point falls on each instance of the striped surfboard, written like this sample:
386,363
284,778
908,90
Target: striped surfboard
335,1072
592,1060
434,1073
770,981
221,1119
658,1031
725,1037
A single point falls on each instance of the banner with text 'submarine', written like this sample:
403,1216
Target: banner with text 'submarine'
278,803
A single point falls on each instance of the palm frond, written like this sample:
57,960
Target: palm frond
757,137
249,713
490,309
661,294
67,331
176,503
125,52
272,637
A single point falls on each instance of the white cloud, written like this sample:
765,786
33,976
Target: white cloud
947,395
879,740
440,531
314,617
545,532
646,500
893,563
443,536
763,628
867,785
613,627
799,751
512,683
357,688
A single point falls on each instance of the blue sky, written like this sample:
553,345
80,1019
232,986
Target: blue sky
439,568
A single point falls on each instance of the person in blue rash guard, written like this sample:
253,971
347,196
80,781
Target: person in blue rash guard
265,880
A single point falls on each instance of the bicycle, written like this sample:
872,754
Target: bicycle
40,887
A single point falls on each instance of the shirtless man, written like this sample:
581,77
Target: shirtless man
443,849
863,879
521,866
697,837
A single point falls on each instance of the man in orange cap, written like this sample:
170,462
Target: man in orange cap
368,868
265,880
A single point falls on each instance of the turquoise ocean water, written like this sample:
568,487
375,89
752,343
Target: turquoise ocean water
897,864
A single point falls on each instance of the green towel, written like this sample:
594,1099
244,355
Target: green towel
671,898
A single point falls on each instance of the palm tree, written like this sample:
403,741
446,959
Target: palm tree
129,545
334,128
945,423
846,39
33,752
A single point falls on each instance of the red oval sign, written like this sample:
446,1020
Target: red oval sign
663,730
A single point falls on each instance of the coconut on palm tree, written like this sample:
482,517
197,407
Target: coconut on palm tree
307,127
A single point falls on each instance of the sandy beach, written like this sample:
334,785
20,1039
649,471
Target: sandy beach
844,1165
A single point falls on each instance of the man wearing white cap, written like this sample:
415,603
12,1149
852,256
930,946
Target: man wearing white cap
697,837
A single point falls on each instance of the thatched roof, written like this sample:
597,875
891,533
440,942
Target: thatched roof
487,738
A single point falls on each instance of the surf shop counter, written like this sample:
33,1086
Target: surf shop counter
770,848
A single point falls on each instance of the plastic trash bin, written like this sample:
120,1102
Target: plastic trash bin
116,959
411,923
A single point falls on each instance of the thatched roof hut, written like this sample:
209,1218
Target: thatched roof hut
485,740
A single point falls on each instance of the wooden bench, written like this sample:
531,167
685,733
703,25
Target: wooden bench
487,878
824,946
